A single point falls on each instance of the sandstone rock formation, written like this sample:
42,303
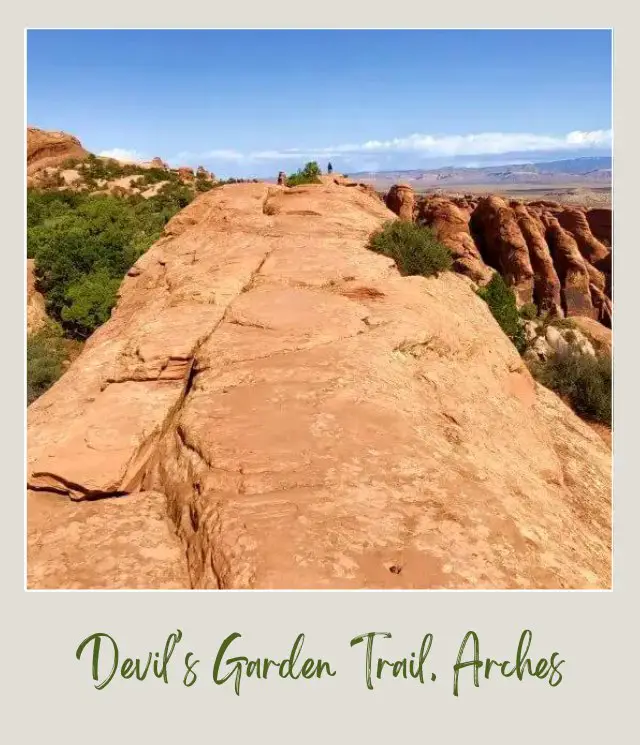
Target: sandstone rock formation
546,251
304,417
502,243
50,149
602,305
341,180
159,163
186,174
575,221
36,313
600,336
600,224
546,284
451,225
401,201
572,269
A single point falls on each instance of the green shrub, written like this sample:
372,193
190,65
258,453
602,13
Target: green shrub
45,354
502,304
152,176
88,302
83,245
70,163
529,312
202,184
310,174
584,381
414,248
563,323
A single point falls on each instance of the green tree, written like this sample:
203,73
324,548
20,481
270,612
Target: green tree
88,302
310,174
74,236
502,303
45,354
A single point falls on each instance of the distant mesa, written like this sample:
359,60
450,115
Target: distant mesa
576,172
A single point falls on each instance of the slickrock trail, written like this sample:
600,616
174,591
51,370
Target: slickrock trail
273,406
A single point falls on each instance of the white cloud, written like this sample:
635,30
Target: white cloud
487,143
223,155
120,154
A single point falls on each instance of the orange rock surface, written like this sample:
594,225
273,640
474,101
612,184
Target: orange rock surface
272,406
49,149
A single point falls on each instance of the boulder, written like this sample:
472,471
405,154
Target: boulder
530,330
538,351
556,341
598,334
401,200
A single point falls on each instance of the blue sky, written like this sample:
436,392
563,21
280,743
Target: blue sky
251,103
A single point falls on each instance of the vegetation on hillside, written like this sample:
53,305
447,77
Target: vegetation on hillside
414,248
529,312
84,244
502,303
310,174
84,241
583,381
46,352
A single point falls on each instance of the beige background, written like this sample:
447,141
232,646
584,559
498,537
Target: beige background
49,696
